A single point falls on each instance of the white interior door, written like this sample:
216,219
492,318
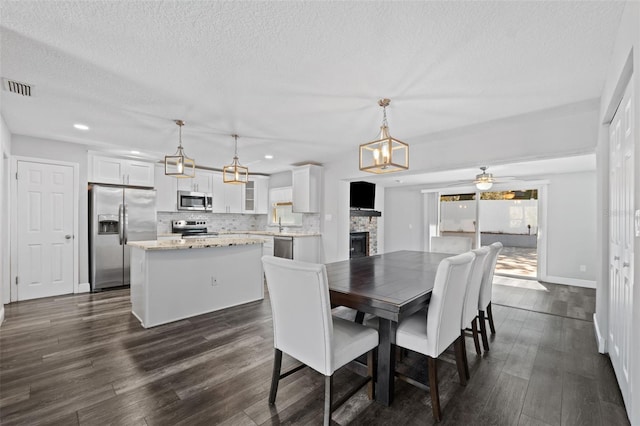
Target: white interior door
621,236
45,223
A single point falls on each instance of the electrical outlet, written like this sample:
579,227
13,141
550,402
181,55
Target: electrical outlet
583,268
214,281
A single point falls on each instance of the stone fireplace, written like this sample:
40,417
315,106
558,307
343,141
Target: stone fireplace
364,226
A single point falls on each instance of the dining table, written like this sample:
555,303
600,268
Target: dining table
391,286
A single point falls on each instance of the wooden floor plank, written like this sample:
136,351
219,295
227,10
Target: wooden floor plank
85,360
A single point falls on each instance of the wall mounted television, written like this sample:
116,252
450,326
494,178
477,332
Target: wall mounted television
362,195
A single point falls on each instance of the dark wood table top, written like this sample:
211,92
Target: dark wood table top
392,285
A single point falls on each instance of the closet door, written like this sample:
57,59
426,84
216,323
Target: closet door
621,239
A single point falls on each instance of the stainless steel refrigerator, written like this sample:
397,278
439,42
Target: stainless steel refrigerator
117,215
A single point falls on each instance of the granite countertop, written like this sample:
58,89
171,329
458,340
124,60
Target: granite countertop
275,233
194,243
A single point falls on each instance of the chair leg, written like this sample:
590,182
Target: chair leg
461,355
483,330
490,315
328,391
371,373
359,317
476,340
463,342
275,376
433,387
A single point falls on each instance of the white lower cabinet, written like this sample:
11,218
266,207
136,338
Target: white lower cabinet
267,247
306,249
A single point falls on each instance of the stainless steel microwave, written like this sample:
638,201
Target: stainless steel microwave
200,201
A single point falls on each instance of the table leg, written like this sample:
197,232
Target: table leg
386,362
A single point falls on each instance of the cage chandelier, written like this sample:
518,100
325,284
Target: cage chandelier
385,154
179,165
234,172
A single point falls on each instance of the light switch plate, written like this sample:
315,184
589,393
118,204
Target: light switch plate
637,223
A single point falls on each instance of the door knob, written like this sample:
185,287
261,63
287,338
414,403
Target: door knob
67,237
625,264
616,257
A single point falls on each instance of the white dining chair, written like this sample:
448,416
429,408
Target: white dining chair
472,294
432,334
304,328
451,245
484,302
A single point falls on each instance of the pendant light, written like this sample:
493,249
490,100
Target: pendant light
179,165
385,154
235,173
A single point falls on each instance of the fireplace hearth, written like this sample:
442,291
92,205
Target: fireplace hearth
359,244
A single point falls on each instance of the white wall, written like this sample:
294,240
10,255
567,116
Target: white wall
571,228
627,42
5,150
404,218
74,153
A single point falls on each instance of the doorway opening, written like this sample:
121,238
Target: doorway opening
510,217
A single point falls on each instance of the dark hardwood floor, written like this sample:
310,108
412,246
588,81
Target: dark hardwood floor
84,359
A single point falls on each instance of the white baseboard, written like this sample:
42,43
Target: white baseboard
569,281
1,313
84,288
602,343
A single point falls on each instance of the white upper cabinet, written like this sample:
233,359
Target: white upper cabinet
280,195
202,182
120,171
166,190
307,188
227,197
255,195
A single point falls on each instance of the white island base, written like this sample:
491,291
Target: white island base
169,285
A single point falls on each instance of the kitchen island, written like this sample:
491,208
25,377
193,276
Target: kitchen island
176,279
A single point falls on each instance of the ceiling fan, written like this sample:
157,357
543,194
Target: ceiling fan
484,181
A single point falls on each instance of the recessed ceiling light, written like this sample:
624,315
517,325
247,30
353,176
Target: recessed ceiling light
135,152
268,157
81,126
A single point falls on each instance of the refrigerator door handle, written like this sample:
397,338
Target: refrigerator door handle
121,220
126,219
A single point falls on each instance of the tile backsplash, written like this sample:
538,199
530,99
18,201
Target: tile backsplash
234,222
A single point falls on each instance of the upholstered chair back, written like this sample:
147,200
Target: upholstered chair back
470,310
302,324
487,278
447,299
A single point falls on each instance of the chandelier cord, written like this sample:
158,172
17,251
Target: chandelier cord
236,148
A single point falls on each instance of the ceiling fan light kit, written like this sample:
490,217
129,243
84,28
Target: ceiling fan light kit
484,180
234,172
385,154
179,165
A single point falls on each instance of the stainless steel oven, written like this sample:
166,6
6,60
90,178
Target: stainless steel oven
199,201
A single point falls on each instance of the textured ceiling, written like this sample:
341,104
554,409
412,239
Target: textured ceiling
298,80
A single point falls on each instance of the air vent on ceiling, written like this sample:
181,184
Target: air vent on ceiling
16,87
